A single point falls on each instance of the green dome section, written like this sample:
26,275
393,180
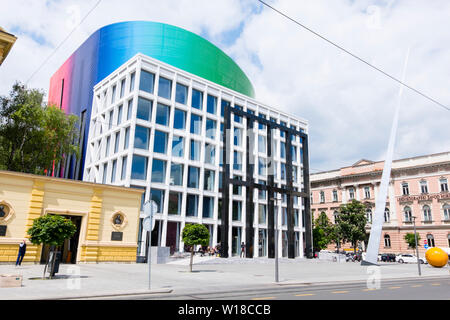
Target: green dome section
175,46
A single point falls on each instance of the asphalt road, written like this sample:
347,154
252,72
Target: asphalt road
411,289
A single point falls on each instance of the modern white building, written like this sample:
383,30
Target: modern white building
159,128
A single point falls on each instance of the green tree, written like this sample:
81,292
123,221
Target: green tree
51,230
34,138
411,240
195,234
323,232
351,223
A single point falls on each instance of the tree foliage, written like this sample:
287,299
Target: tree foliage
351,223
411,240
51,230
323,232
195,234
34,137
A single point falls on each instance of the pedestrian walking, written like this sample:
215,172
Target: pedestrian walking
22,251
242,250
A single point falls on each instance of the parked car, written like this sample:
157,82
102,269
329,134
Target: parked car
388,257
408,258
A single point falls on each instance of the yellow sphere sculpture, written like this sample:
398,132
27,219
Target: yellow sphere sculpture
436,257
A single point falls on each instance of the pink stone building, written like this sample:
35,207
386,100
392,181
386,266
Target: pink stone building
419,187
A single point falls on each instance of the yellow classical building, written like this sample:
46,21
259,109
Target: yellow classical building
107,218
7,40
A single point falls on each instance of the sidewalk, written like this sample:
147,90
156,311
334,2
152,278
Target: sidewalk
209,274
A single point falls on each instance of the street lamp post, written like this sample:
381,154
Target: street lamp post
276,238
417,246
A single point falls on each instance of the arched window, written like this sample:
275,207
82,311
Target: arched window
387,216
430,240
426,213
369,215
336,215
387,241
446,208
408,214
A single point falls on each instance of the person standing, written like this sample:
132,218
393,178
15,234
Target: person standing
22,251
242,250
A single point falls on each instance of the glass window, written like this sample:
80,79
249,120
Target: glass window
179,121
405,188
210,153
262,213
113,171
427,213
132,78
282,150
141,137
147,81
111,116
195,150
160,144
444,184
158,171
139,167
261,126
176,174
209,180
335,195
237,137
211,104
119,115
192,205
262,167
144,110
178,146
262,146
107,146
158,196
197,99
165,88
237,162
282,133
116,142
237,210
283,171
367,192
224,104
387,217
130,109
193,177
237,190
162,114
446,208
181,94
294,153
238,118
211,128
113,95
124,168
196,124
175,201
408,214
127,138
105,172
122,87
208,207
423,186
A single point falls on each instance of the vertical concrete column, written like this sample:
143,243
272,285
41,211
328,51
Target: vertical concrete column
34,211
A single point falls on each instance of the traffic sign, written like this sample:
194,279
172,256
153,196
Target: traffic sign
150,208
425,246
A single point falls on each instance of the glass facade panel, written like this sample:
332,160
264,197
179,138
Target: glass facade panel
181,94
160,145
124,168
179,121
208,207
211,104
158,171
192,205
209,180
141,137
130,109
144,110
162,114
222,107
165,88
132,79
175,201
178,146
158,196
210,153
119,114
195,150
211,127
139,167
147,82
196,124
238,137
176,174
193,177
127,139
237,162
237,210
197,99
113,171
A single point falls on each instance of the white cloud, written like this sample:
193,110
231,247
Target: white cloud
348,105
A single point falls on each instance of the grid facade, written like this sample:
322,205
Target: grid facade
160,128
